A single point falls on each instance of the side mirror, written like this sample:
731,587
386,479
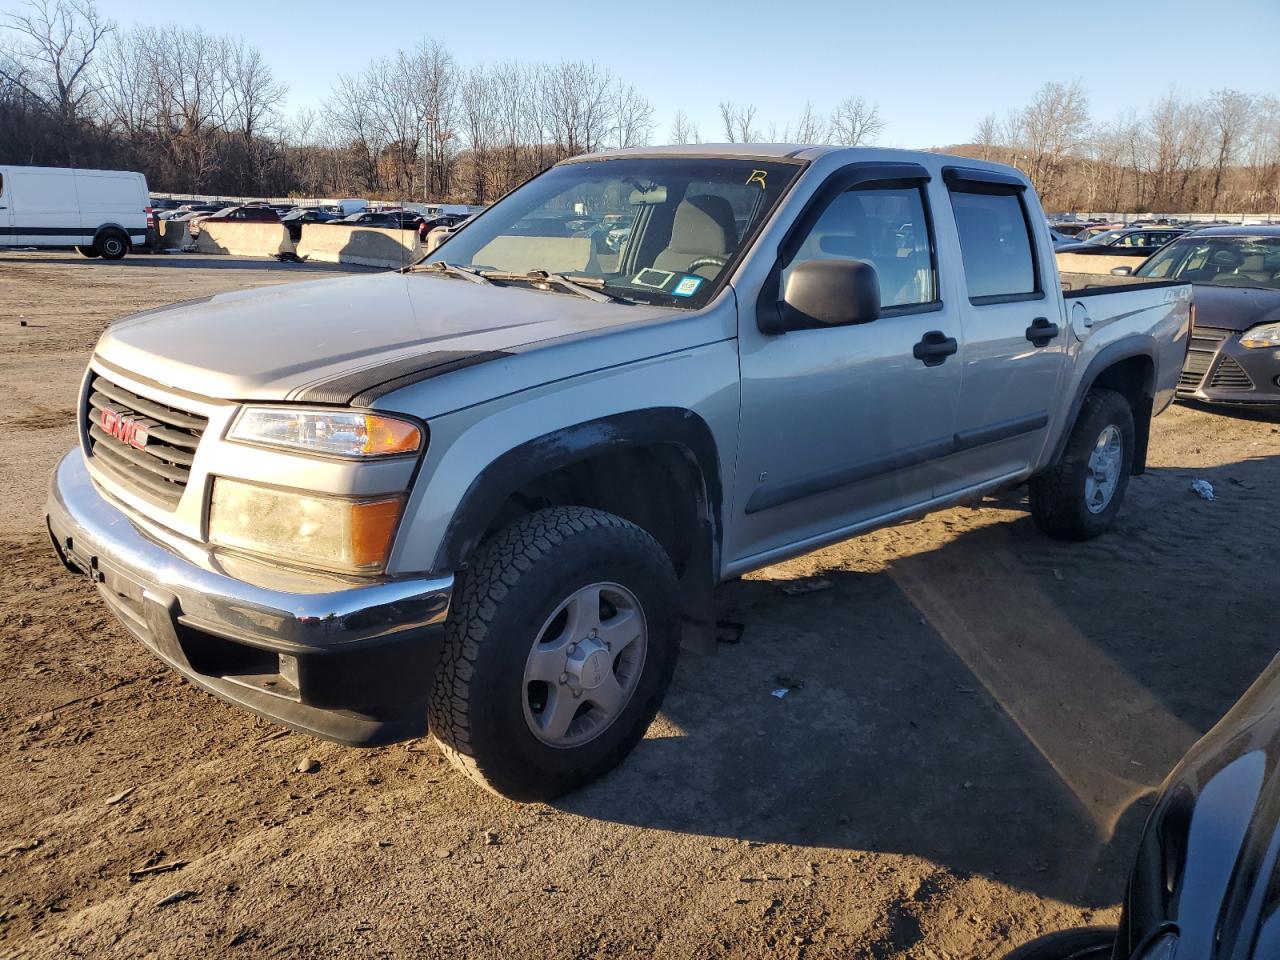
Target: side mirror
830,293
1121,271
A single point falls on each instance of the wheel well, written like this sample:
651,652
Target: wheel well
658,487
1133,378
655,487
112,228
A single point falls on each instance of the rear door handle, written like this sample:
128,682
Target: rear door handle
1041,332
934,348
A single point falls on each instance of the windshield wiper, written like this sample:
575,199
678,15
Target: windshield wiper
592,288
453,270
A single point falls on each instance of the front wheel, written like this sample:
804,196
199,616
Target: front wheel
90,252
558,651
1079,496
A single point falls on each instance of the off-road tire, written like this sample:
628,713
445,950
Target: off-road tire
111,245
516,580
90,252
1085,943
1057,495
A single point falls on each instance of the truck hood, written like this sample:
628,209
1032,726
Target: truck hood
269,343
1235,308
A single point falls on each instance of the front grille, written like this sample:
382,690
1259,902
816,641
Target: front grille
1205,342
1230,376
160,468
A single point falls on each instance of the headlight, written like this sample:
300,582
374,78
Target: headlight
340,433
346,536
1263,335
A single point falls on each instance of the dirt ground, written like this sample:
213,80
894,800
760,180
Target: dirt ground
979,720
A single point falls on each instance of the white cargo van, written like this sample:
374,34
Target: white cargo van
102,213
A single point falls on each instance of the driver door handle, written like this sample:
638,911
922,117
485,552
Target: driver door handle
1041,332
934,348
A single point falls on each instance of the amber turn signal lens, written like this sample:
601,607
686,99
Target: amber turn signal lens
385,436
373,525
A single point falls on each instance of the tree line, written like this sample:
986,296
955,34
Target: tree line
204,113
1218,154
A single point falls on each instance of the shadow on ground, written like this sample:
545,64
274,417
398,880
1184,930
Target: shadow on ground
1003,704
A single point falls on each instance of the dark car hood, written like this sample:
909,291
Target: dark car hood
1208,860
1235,308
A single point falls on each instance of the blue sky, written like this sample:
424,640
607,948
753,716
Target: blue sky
933,70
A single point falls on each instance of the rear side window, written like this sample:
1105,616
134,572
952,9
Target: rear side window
995,244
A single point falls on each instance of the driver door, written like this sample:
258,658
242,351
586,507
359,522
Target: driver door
842,426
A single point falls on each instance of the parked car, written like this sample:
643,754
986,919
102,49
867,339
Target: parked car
447,221
1069,228
294,220
1126,242
1235,344
1059,240
248,214
496,512
1203,885
101,213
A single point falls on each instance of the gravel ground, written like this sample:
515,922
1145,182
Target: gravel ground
978,720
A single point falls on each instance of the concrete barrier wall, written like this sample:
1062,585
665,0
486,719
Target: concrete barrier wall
368,246
1087,263
243,239
172,234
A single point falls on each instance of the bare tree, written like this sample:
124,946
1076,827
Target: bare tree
856,123
632,116
810,128
1228,113
1053,126
987,137
55,44
683,130
253,99
739,123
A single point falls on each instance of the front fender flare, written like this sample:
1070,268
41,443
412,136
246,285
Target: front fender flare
517,467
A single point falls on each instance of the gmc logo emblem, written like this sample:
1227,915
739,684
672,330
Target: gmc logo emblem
123,428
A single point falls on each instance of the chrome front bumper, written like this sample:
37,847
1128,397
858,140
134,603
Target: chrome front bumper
348,660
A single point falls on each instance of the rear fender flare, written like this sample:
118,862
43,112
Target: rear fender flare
1135,345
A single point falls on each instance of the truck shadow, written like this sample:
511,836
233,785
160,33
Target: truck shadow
994,701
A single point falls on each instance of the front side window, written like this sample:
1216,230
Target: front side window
885,227
995,244
665,230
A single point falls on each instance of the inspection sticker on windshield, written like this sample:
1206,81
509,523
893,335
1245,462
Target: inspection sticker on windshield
687,287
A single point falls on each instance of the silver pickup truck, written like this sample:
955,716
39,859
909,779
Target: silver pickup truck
489,495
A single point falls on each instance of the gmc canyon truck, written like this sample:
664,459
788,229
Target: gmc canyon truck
488,496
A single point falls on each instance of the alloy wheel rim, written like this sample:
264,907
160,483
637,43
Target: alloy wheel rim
1103,469
585,665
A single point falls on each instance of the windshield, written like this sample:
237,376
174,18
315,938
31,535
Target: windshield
665,230
1222,261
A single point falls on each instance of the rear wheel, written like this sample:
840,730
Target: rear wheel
112,245
90,252
1078,498
558,651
